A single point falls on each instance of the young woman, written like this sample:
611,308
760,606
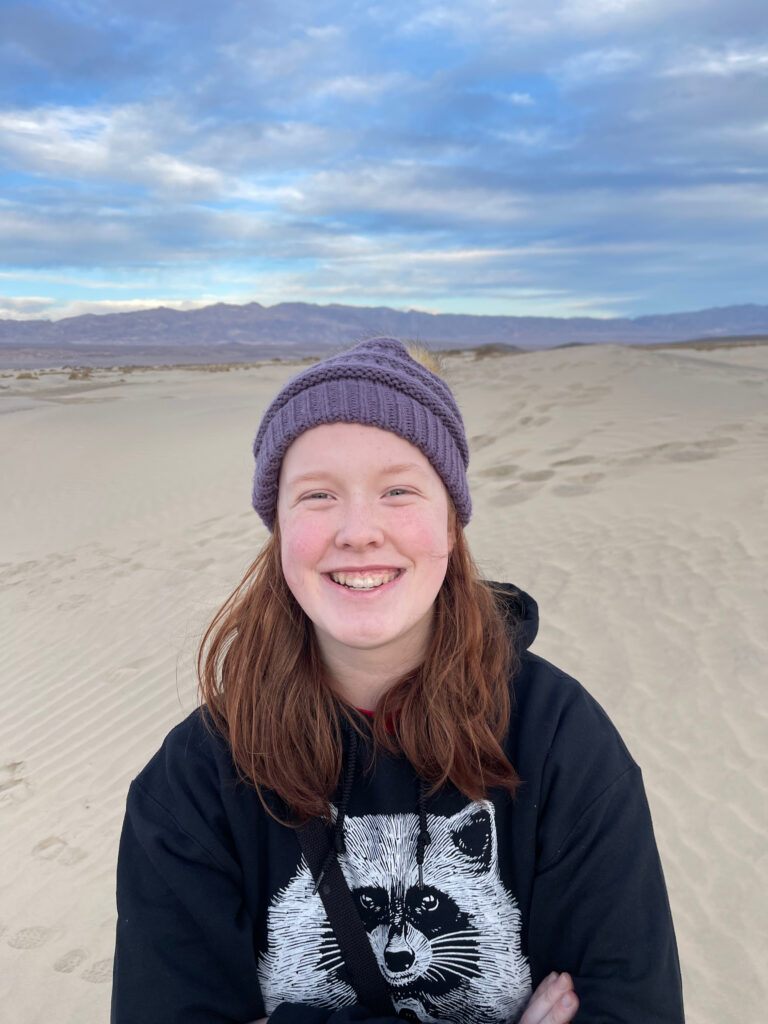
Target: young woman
487,818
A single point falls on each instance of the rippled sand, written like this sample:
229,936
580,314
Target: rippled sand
624,488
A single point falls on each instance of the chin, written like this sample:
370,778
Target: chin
401,638
362,640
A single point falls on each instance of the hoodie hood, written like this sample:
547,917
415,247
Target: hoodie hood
521,614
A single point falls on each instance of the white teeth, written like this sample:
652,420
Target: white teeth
367,581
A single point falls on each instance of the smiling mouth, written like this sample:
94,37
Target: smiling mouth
364,580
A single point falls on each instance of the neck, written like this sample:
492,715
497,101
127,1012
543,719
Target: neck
362,677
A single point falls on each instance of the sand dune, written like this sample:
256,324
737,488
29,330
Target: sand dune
625,489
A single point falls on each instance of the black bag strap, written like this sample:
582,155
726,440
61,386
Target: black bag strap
362,968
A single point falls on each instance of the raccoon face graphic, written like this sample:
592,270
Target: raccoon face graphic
449,949
424,940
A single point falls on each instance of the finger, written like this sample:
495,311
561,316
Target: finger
546,997
563,1011
545,986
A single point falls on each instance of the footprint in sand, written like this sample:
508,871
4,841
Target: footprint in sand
577,460
20,572
70,961
480,441
99,973
698,450
498,472
30,938
127,565
578,485
536,475
534,421
512,495
13,784
137,664
124,673
719,442
48,848
689,455
56,848
681,451
571,490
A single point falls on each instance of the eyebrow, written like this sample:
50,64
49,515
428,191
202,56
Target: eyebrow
392,470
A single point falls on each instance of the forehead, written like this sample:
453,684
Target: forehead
345,447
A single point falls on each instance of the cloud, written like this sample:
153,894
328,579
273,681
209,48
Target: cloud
251,148
610,62
25,307
361,88
603,16
520,99
52,238
288,60
119,144
76,281
716,204
51,309
133,145
539,139
519,21
407,193
723,62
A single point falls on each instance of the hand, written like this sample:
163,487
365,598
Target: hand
553,1002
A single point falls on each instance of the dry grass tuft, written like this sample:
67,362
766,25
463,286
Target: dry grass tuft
426,357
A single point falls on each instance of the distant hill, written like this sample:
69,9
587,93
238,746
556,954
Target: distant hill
295,329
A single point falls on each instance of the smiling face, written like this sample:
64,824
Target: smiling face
365,538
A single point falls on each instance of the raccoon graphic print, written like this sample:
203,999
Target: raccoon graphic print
449,949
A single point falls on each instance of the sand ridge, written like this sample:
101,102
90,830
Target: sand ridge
624,488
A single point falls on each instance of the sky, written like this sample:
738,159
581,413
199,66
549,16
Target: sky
545,157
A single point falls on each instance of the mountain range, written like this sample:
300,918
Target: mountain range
223,332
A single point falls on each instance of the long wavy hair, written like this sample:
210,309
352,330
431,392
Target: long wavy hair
266,691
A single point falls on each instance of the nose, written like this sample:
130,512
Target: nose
359,527
398,953
398,960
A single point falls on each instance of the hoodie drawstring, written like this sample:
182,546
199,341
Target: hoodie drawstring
337,841
424,838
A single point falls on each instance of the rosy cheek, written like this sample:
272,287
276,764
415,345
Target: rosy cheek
303,544
428,534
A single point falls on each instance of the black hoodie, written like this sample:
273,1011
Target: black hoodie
218,922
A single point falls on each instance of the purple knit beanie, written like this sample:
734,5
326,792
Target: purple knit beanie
377,384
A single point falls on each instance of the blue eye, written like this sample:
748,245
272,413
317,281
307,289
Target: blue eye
397,491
